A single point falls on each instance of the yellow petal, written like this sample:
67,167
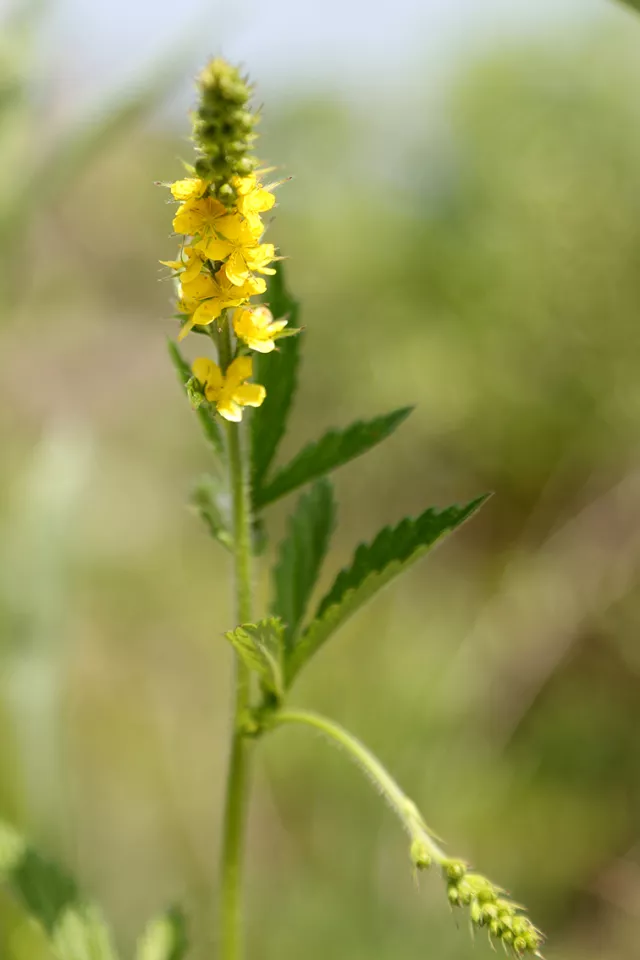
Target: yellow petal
199,287
245,185
276,327
254,223
233,227
260,346
238,370
201,368
249,394
262,317
256,285
191,270
206,313
228,409
184,330
236,269
188,218
216,249
190,187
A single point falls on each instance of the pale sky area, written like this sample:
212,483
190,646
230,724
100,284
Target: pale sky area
291,43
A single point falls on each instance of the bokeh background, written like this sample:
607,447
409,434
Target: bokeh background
464,232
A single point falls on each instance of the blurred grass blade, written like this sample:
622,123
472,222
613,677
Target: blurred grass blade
165,937
73,926
96,133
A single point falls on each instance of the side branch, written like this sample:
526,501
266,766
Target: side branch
488,905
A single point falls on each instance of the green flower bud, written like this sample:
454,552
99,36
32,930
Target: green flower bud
454,895
475,911
454,869
194,392
465,892
489,907
419,853
245,166
202,167
489,911
223,129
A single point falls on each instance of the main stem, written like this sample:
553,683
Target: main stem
237,778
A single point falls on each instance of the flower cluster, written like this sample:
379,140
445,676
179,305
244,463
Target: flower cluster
489,907
223,257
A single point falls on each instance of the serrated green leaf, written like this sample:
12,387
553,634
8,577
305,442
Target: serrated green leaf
205,412
74,927
278,373
165,937
211,501
301,554
260,646
333,450
374,565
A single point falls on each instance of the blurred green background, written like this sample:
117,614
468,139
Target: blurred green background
471,246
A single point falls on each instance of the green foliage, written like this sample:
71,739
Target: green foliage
301,554
165,937
634,4
374,565
278,372
205,413
333,450
260,646
73,926
210,500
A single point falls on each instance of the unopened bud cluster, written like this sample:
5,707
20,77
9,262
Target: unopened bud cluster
223,129
490,908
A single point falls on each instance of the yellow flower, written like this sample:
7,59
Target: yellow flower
191,188
253,199
212,295
242,257
200,287
204,217
190,266
229,392
257,328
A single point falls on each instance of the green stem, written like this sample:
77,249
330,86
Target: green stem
237,777
404,808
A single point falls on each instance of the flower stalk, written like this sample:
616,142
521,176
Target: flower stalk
218,270
230,912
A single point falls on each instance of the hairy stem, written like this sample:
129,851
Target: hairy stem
237,777
404,808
